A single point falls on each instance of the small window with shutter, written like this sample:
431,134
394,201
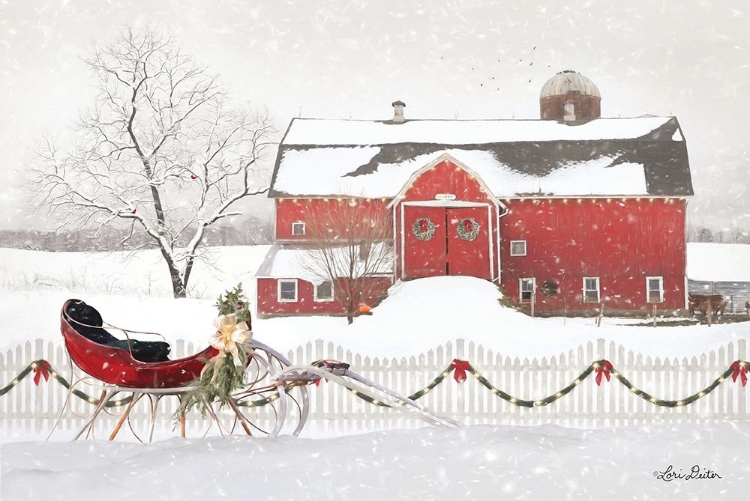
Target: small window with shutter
526,289
288,291
655,289
324,292
591,289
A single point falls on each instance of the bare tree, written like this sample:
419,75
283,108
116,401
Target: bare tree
160,150
350,249
700,234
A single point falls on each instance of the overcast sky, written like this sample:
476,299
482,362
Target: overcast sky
445,59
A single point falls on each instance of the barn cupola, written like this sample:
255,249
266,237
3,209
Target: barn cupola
398,112
569,96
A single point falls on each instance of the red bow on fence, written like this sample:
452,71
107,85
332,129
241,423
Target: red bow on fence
603,370
459,370
41,369
741,371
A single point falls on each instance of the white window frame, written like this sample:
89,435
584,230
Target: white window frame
521,281
304,229
296,290
661,290
598,290
326,299
517,242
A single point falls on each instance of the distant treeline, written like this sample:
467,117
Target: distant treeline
726,236
251,232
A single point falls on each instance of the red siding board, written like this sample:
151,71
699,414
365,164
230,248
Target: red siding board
620,241
468,257
268,303
425,258
289,211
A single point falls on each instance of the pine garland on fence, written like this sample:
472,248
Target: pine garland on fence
602,368
42,368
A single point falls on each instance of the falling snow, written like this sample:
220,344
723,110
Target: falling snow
340,60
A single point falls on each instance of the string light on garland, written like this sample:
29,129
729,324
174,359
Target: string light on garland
602,368
737,372
468,229
423,229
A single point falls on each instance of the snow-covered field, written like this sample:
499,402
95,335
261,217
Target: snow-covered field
418,315
486,463
469,463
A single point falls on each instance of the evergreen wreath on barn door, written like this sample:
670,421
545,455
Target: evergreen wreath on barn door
423,229
468,229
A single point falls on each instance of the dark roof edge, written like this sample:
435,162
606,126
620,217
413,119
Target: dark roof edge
277,164
267,264
390,121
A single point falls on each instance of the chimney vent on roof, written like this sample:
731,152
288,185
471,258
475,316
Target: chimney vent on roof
398,112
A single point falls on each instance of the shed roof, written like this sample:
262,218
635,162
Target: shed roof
713,262
293,261
633,156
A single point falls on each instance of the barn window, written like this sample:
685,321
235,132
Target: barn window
288,291
518,247
655,289
526,289
298,228
324,292
591,289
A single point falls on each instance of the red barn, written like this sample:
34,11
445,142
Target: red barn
568,213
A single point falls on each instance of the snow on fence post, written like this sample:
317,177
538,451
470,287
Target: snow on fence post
4,377
179,349
720,367
742,392
461,391
589,402
39,393
728,390
318,410
24,395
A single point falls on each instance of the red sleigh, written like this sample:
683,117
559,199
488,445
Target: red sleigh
121,372
118,367
270,379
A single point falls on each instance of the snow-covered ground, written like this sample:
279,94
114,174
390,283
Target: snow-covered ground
469,463
485,463
417,316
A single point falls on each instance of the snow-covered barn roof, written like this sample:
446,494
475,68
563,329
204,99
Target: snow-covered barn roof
622,156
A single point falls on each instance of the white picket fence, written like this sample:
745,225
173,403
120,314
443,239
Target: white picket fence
335,409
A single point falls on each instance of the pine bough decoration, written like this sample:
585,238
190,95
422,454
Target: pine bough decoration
223,374
423,229
603,369
467,229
